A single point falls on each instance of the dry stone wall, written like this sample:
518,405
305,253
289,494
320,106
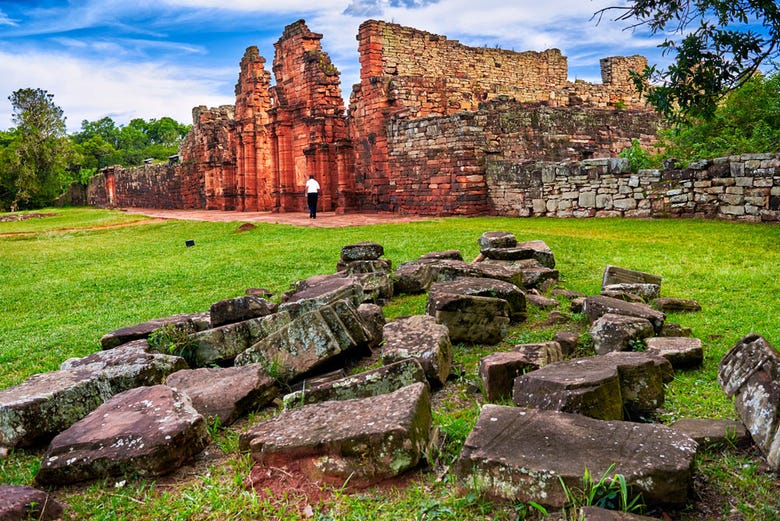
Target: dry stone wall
149,186
745,188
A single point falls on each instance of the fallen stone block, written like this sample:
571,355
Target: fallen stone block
419,337
522,454
481,287
622,295
361,251
504,272
127,366
682,352
498,371
541,302
750,373
482,320
225,393
21,503
377,286
191,323
612,332
602,387
532,273
148,431
382,380
713,432
541,353
374,321
46,404
597,306
239,309
675,304
320,290
497,240
357,267
537,250
310,341
618,275
412,278
568,340
221,345
362,441
674,329
646,292
443,255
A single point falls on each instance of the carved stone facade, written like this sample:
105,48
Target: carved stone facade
427,118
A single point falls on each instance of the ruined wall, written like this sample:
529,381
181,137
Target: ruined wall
149,186
745,188
428,110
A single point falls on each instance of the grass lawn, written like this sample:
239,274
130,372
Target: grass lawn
67,279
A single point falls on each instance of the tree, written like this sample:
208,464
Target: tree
715,50
39,152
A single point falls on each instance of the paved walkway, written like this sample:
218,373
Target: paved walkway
323,220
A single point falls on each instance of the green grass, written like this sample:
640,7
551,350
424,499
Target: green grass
67,280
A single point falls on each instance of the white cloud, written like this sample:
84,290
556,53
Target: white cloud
91,90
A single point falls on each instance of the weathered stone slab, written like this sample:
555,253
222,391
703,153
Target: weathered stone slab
498,371
377,286
537,250
320,290
361,251
481,287
481,320
419,337
374,321
148,431
602,387
497,240
750,373
599,305
382,380
364,266
225,393
646,292
682,352
675,304
442,255
412,278
127,366
48,403
622,295
618,332
221,345
618,275
309,341
568,341
674,329
587,386
520,455
20,503
533,273
239,309
713,432
540,301
193,322
541,353
505,272
363,441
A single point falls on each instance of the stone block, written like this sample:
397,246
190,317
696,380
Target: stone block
481,287
619,333
419,337
26,503
481,320
239,309
713,432
682,352
361,251
361,441
599,305
497,240
191,323
618,275
522,455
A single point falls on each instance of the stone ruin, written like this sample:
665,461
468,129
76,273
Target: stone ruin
141,406
423,127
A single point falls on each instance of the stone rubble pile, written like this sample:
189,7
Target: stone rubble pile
130,410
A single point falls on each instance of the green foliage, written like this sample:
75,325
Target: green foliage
35,154
175,340
638,157
611,493
713,50
102,143
747,121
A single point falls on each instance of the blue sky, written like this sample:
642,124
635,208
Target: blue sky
153,58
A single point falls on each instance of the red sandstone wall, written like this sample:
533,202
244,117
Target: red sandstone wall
148,186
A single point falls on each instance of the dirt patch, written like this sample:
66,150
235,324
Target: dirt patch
24,217
85,229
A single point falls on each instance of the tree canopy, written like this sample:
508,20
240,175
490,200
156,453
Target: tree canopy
715,46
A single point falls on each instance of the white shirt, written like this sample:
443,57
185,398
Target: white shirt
312,186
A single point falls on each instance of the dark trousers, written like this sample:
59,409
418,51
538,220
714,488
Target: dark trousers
311,200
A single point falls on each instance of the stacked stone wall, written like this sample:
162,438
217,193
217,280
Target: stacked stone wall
744,188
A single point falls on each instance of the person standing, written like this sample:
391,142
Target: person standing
312,192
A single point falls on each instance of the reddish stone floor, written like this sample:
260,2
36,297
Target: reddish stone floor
323,220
